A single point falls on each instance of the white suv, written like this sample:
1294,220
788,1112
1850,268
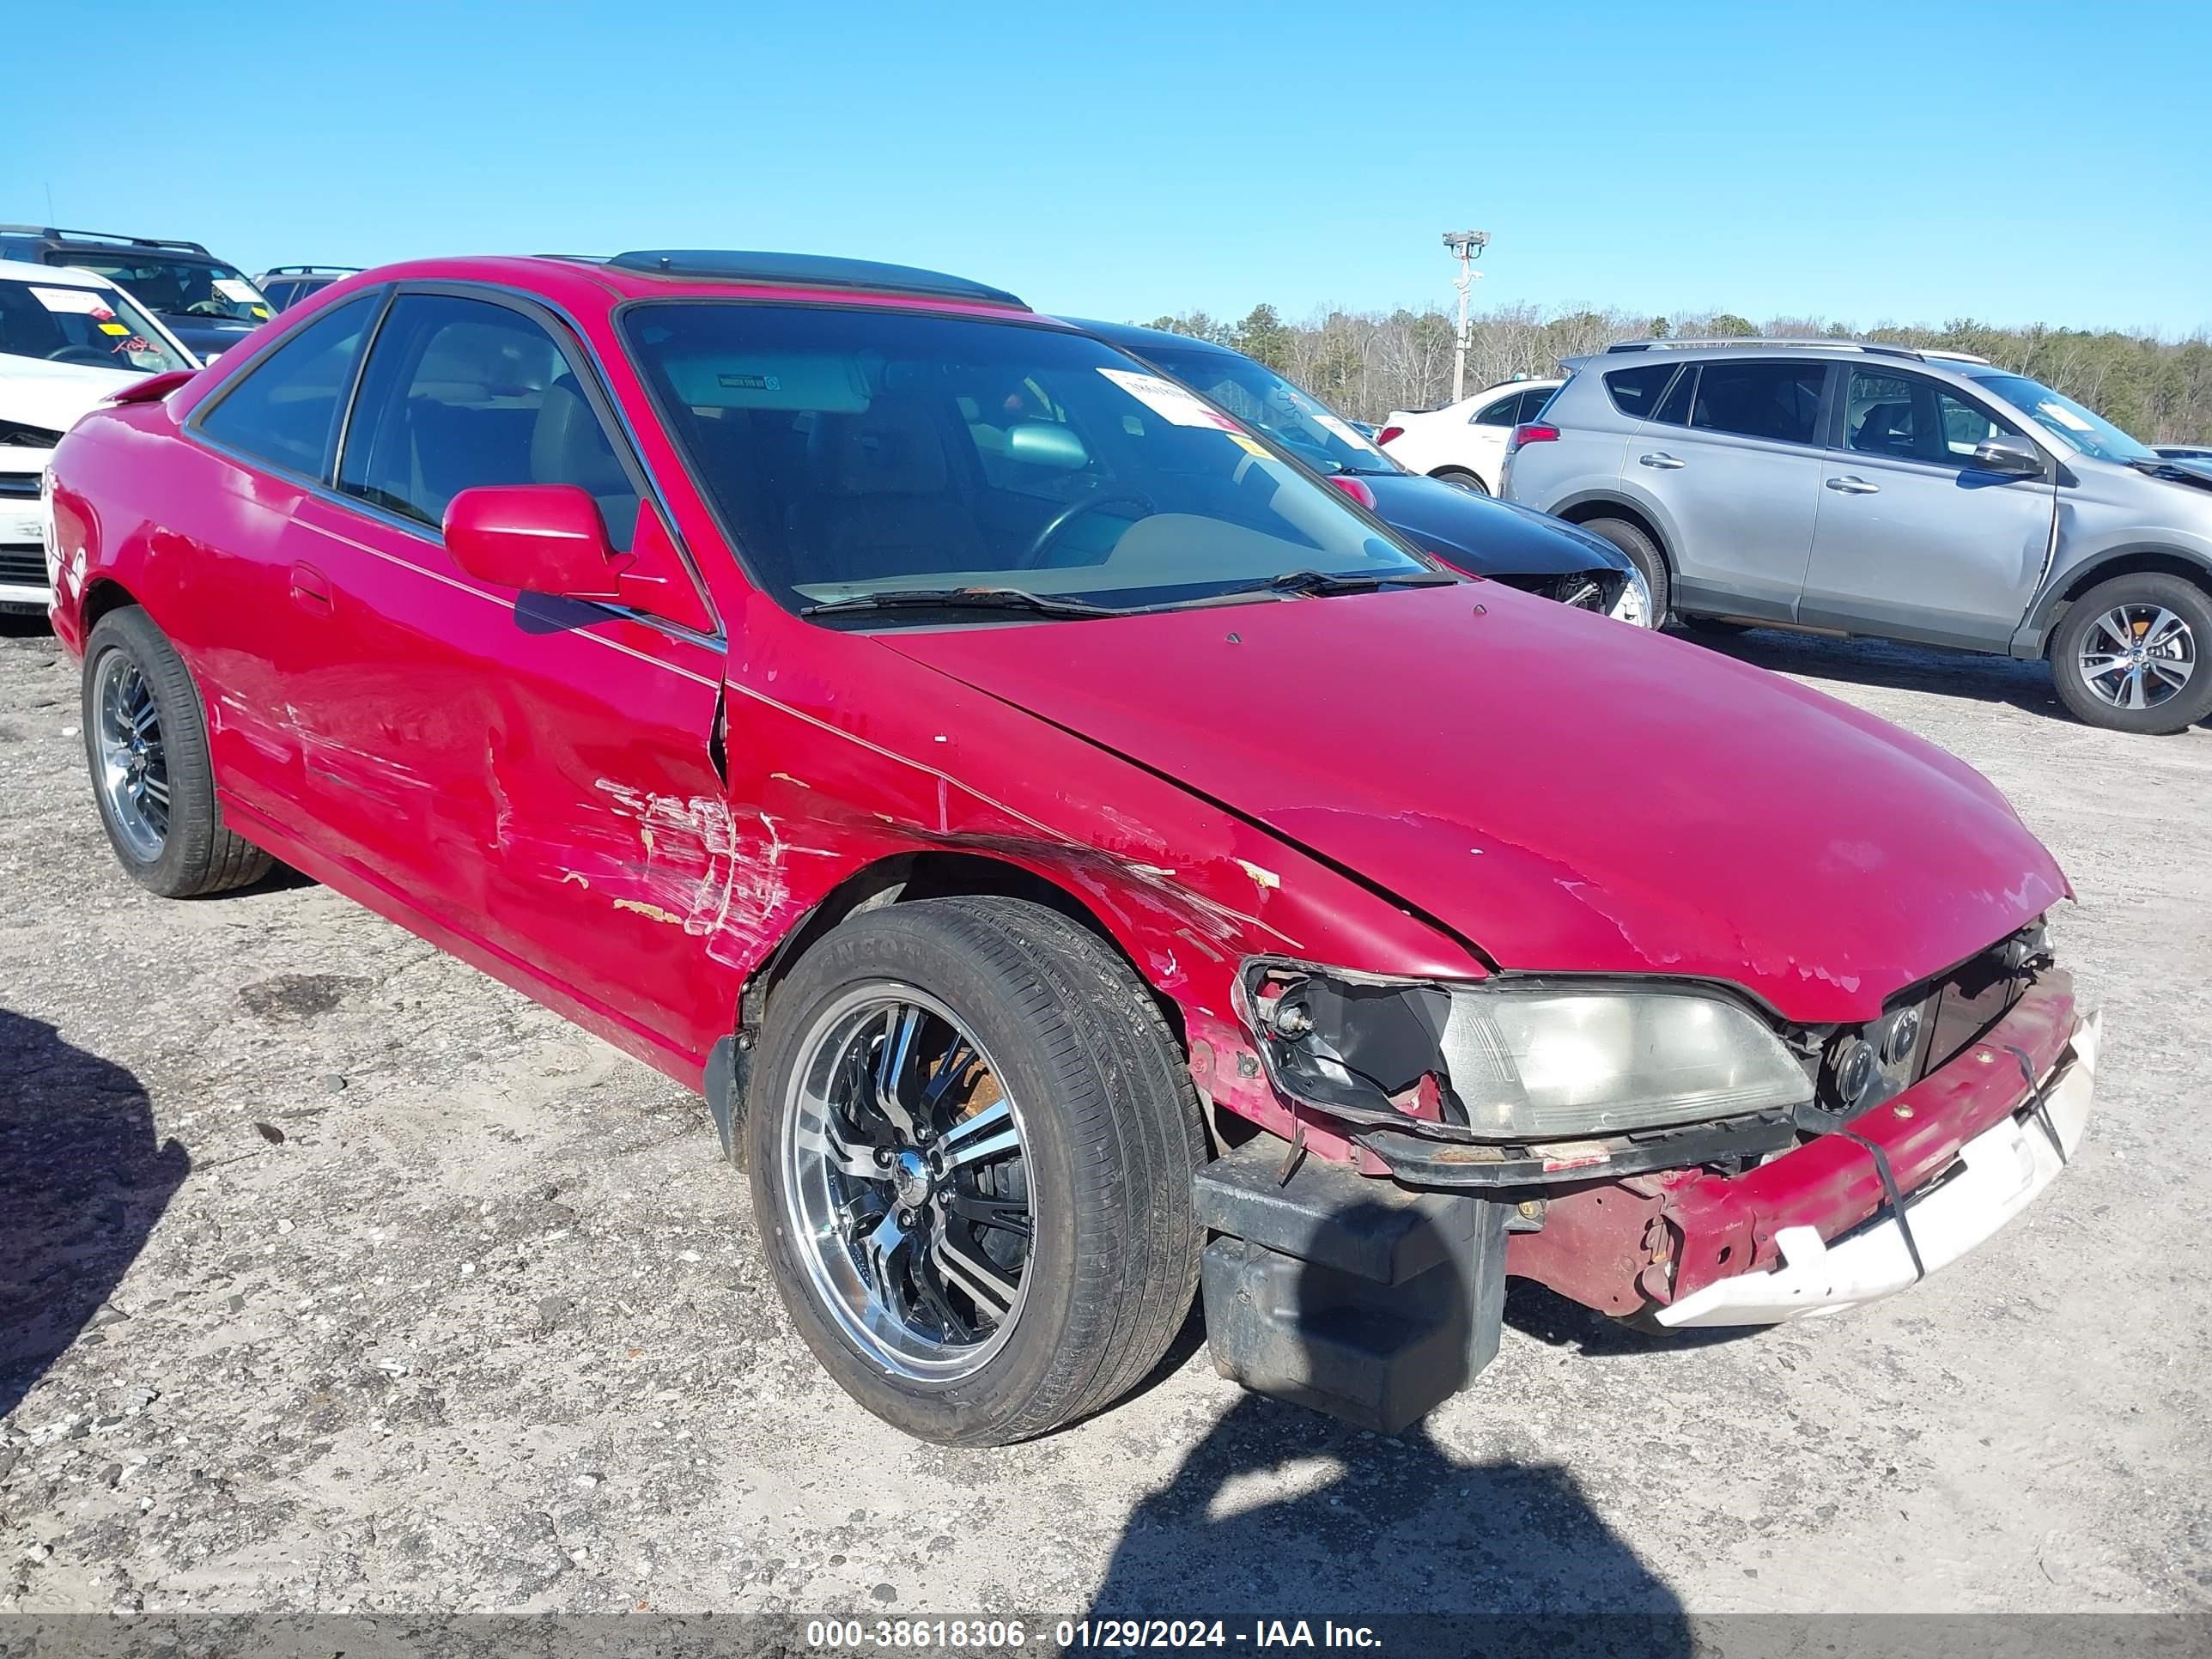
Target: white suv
68,339
1464,443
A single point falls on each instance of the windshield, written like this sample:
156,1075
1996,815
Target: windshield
93,327
178,288
855,452
2088,431
1259,397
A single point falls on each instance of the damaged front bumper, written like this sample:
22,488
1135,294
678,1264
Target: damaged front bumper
1999,1173
1814,1230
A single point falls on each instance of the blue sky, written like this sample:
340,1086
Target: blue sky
1865,161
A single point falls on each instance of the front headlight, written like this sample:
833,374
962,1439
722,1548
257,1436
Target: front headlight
1547,1062
1575,1063
1634,605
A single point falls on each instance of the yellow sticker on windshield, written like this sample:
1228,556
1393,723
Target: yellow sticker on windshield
113,328
1248,445
261,312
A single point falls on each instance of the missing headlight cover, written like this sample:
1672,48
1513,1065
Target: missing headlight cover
1535,1061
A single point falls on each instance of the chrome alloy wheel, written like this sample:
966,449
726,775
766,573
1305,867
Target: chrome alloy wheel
905,1178
133,774
2138,656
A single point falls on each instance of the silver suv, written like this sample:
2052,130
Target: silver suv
1918,496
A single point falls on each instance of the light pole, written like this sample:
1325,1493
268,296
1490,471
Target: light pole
1467,247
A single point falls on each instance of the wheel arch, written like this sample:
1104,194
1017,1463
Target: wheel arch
2042,623
104,594
1588,507
907,878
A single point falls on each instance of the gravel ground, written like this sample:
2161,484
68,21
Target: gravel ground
386,1288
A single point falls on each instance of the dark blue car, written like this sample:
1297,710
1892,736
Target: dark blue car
1475,533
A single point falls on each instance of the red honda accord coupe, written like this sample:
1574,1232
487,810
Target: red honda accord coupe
1080,856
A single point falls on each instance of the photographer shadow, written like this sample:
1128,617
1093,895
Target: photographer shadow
83,1179
1283,1512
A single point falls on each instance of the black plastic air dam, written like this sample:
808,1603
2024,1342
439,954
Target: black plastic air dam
1350,1295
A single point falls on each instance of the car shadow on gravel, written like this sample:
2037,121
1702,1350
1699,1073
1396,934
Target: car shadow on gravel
1283,1513
83,1179
1969,676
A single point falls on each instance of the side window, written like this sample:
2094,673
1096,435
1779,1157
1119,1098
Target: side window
285,408
1499,412
1913,419
1532,403
1966,426
1890,414
460,392
1634,390
1675,408
1777,401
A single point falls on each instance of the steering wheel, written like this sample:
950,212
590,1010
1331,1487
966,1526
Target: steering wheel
1033,556
207,308
90,356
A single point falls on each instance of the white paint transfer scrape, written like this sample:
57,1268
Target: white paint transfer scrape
719,876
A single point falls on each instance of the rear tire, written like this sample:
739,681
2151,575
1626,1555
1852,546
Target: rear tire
1645,556
2093,660
146,746
1107,1137
1462,477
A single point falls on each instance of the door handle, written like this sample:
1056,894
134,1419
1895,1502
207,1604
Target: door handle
1851,484
1660,459
311,589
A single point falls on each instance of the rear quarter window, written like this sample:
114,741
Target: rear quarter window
284,410
1635,392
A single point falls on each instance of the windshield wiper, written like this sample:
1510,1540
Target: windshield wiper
960,598
1320,582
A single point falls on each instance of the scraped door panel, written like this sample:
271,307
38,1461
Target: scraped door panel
533,773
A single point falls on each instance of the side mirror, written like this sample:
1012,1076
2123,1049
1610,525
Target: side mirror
2002,452
542,539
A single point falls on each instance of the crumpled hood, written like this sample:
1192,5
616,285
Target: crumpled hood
1570,793
54,395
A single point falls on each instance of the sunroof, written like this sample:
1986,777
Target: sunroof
809,271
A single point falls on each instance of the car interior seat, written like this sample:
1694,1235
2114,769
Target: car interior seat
568,446
1885,428
881,502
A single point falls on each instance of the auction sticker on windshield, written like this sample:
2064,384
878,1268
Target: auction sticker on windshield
84,301
1167,399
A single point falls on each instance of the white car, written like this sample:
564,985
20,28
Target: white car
68,340
1464,443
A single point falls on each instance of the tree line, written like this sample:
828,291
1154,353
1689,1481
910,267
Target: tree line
1368,363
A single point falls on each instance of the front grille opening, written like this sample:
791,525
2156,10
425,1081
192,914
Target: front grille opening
23,564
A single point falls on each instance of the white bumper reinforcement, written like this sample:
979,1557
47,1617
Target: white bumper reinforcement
2005,1169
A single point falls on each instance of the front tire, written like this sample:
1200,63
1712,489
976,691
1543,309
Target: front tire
1645,556
971,1140
2129,655
145,743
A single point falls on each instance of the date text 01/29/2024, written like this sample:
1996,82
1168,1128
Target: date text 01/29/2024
1085,1634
